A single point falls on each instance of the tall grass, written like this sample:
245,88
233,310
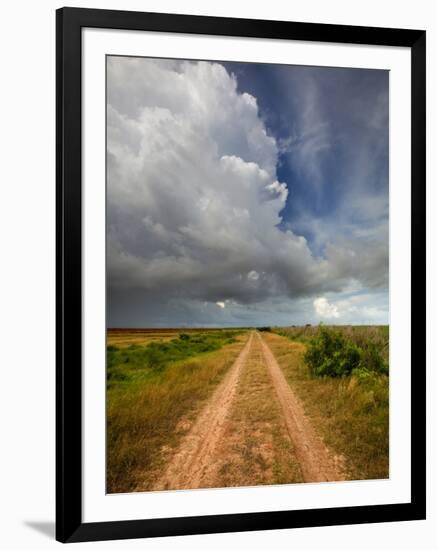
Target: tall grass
370,339
145,361
334,353
150,390
351,411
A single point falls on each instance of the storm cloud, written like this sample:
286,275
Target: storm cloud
197,223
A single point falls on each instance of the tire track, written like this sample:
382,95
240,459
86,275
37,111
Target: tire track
194,456
316,461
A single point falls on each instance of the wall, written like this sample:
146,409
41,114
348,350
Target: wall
27,272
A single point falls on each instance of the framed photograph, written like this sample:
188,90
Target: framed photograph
240,274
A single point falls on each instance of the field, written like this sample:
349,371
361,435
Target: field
351,411
122,337
155,380
363,336
189,408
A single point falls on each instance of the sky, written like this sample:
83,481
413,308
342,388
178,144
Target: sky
245,194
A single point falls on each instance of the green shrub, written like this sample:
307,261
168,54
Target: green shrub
330,354
155,358
372,360
137,361
133,346
334,353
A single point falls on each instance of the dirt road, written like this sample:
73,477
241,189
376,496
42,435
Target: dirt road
195,454
252,431
316,461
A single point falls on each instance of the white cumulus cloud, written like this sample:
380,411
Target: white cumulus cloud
194,202
253,275
324,309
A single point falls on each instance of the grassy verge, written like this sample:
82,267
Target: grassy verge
143,362
365,337
152,391
351,414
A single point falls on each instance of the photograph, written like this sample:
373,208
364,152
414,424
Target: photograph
247,274
217,233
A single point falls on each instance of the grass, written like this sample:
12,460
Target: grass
361,335
158,382
123,340
335,354
350,413
142,362
152,389
125,337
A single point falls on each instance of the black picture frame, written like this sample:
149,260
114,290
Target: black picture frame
69,525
